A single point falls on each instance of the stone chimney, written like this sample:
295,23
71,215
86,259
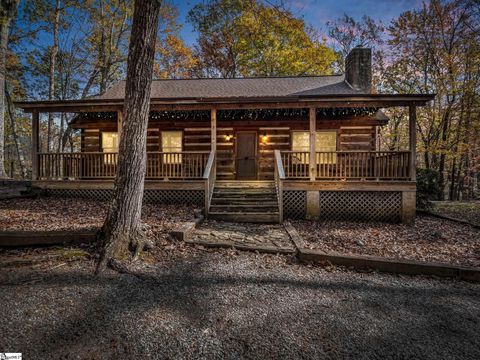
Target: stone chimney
358,69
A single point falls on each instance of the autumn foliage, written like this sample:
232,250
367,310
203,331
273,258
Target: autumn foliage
432,48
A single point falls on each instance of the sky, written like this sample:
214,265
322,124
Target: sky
315,12
318,12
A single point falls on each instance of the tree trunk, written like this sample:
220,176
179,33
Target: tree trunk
7,11
441,166
103,52
3,50
61,133
453,180
13,124
51,79
122,230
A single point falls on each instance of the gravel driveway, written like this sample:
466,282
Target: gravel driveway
226,305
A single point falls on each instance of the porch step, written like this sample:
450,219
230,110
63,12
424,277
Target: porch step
244,192
244,208
246,217
244,201
240,184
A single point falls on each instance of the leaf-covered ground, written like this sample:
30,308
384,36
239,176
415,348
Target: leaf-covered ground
463,210
429,240
74,214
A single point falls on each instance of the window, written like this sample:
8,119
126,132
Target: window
110,145
172,143
301,141
324,141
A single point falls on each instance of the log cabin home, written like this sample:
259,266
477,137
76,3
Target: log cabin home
248,149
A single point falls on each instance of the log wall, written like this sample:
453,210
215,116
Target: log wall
352,134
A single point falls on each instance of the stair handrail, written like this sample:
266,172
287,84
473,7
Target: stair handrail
279,175
209,177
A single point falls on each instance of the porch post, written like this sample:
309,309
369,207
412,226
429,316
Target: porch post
313,196
409,197
312,162
35,143
213,129
412,129
119,123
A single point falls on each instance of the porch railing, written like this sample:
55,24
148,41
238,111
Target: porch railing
361,165
209,177
101,165
347,165
295,164
279,177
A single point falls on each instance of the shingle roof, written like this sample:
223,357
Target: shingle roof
240,87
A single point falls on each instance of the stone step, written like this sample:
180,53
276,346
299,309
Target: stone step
259,217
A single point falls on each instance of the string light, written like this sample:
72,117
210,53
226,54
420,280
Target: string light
233,115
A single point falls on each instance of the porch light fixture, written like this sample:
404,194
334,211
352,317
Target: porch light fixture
264,137
228,137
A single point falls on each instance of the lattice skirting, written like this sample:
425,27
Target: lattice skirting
294,204
189,197
361,205
347,205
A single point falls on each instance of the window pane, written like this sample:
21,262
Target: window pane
109,141
300,141
110,145
172,142
326,141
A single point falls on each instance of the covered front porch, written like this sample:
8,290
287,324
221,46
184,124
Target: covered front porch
244,148
218,152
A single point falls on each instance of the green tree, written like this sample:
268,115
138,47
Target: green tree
348,33
107,41
249,38
436,50
173,59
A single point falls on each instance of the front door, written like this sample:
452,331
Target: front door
246,155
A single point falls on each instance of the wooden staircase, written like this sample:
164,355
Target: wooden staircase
244,201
